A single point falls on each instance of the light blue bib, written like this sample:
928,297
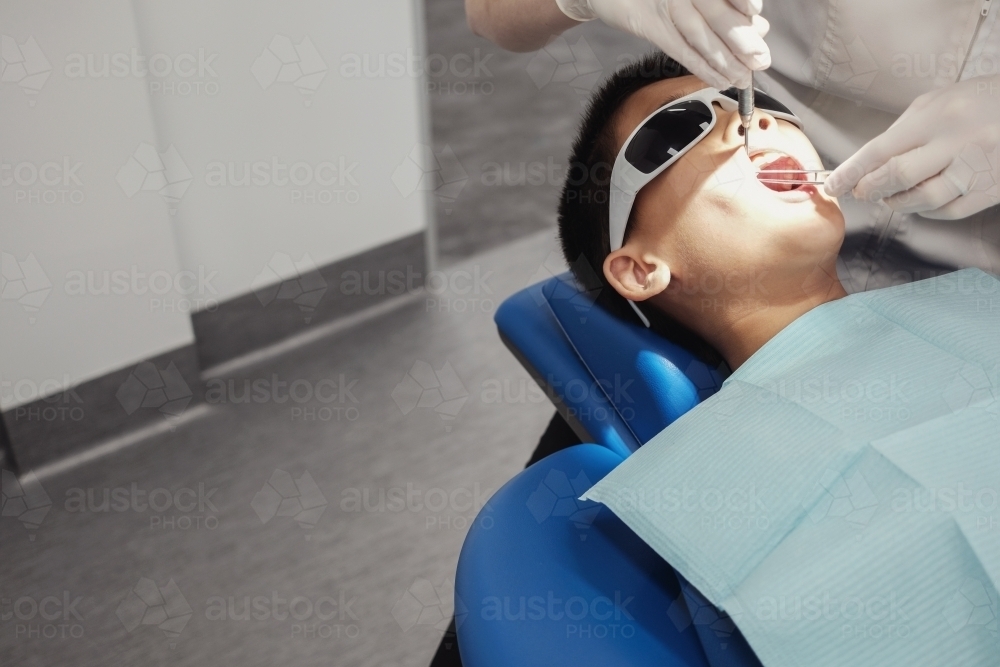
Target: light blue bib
839,495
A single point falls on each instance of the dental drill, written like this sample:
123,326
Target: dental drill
745,102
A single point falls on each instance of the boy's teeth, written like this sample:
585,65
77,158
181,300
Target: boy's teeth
766,156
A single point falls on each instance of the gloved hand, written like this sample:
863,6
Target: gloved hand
719,41
939,159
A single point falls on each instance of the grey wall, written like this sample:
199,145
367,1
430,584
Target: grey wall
113,176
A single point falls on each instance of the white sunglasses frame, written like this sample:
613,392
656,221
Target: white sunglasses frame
626,180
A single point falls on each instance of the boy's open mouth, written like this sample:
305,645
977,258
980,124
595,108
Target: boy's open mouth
770,163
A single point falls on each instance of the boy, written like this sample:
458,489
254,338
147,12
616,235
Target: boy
840,412
709,251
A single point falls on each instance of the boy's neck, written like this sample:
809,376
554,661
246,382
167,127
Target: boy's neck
738,337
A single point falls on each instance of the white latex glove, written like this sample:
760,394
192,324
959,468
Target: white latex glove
939,159
719,41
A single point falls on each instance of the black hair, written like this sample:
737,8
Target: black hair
583,205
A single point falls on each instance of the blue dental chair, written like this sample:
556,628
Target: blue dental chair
544,579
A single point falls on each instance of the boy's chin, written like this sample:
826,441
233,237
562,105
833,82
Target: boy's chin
814,231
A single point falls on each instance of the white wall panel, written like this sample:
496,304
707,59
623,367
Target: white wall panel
69,225
292,153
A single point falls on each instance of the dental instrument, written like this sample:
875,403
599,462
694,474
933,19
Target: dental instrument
745,102
820,176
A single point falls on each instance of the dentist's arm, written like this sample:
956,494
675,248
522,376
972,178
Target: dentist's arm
517,25
941,158
719,41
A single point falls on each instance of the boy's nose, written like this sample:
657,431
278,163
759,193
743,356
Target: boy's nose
761,121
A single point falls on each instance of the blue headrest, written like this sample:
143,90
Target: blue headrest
617,382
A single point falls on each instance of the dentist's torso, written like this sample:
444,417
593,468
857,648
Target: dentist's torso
849,68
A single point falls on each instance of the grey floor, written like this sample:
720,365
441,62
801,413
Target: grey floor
391,564
337,573
509,125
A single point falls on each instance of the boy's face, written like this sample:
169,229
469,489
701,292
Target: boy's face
712,222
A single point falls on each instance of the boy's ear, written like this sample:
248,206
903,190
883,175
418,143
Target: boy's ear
634,275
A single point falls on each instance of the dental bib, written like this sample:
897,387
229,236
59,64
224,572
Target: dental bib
838,496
